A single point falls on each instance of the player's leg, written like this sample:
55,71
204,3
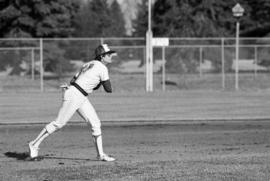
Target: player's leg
88,113
65,113
34,145
68,108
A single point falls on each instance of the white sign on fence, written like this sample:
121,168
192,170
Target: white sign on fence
160,42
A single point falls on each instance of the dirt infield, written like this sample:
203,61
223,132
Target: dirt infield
217,150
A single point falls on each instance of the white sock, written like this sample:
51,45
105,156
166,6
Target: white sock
42,135
98,145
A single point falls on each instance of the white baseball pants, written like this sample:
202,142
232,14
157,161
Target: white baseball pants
74,100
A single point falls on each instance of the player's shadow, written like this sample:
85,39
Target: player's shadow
25,157
17,155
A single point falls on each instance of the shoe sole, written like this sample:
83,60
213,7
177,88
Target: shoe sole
35,159
107,160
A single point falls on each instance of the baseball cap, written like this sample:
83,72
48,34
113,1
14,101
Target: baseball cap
103,50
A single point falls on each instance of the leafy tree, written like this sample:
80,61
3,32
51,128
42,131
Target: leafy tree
35,18
192,18
257,24
93,20
84,22
140,24
55,61
256,18
8,59
98,18
118,23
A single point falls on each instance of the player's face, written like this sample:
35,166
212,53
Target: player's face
107,58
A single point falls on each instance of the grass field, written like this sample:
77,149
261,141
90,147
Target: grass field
217,151
136,82
38,107
192,131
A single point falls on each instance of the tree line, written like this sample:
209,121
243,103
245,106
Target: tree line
60,18
204,18
102,18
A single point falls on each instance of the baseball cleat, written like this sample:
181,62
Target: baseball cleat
106,158
33,151
34,159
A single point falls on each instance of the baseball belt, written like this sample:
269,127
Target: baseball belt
79,88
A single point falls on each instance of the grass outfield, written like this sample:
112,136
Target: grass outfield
136,82
131,106
187,152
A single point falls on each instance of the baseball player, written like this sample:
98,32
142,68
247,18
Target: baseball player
92,75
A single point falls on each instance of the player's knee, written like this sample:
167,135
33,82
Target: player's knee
96,130
53,126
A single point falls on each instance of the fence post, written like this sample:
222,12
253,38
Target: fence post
149,61
201,51
223,63
237,56
146,53
41,64
163,68
32,64
255,60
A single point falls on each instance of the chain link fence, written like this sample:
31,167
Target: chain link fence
186,64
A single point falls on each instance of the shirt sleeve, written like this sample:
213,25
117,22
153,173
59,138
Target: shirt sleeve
105,74
107,86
